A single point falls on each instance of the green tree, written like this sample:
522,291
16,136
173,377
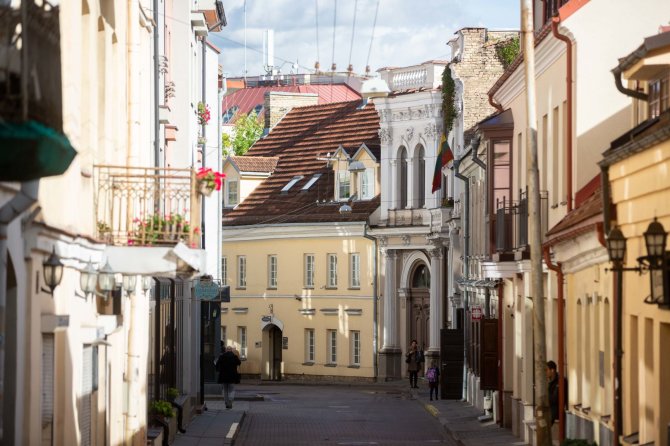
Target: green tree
247,131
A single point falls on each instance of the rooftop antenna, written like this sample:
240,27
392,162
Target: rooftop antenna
245,43
268,44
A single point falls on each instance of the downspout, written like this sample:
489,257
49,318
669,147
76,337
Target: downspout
558,269
466,255
501,382
203,127
568,92
375,318
157,126
494,104
617,72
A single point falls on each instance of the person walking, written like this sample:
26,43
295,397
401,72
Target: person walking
413,358
227,365
433,377
552,384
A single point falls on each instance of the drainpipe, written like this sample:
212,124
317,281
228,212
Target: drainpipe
157,126
558,269
375,297
203,127
568,89
494,104
25,198
617,72
466,255
501,382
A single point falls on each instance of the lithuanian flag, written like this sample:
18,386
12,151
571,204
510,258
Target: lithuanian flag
443,157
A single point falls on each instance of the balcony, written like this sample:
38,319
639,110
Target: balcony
147,206
511,225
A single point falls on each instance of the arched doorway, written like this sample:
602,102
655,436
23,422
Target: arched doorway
419,305
272,351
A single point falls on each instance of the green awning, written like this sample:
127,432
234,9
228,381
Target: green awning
30,150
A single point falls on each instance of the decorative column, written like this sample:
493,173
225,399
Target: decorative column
393,183
411,186
390,335
436,293
390,353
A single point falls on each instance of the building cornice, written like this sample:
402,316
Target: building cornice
292,231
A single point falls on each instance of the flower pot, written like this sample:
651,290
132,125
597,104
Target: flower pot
205,189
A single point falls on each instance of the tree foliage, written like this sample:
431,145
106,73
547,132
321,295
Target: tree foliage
448,97
507,51
247,131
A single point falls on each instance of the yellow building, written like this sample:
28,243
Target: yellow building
296,253
637,172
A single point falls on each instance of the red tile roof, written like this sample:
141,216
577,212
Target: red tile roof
302,136
248,98
255,163
588,211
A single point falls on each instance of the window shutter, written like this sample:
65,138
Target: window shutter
47,387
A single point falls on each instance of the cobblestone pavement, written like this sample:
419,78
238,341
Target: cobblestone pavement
338,415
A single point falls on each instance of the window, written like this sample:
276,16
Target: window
228,115
355,270
309,270
257,109
332,347
402,165
367,186
241,271
309,345
224,270
343,184
502,175
555,162
291,183
231,195
310,182
355,337
272,271
242,339
332,270
421,177
659,96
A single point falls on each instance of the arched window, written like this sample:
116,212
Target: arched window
420,176
421,277
402,178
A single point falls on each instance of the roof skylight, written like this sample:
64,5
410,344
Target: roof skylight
311,182
291,183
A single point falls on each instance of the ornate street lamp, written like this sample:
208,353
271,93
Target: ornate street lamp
52,268
659,273
655,238
129,282
616,245
88,279
106,278
147,281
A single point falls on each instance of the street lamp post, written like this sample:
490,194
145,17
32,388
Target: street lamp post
656,262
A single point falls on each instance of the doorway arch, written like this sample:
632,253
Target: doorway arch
271,356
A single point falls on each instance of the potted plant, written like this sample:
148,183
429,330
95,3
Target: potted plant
448,202
172,394
162,408
203,113
209,180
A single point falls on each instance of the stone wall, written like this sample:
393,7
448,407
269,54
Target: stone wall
478,68
278,103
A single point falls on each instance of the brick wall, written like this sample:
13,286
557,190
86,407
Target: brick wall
278,103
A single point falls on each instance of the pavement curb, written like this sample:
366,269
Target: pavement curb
234,430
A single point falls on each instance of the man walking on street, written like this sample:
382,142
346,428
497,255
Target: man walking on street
227,365
413,358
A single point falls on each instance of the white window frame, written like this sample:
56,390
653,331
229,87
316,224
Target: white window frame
366,185
355,337
354,270
309,270
343,178
272,271
224,270
236,196
291,183
310,345
242,339
332,347
332,271
241,271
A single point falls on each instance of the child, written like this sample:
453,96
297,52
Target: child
433,377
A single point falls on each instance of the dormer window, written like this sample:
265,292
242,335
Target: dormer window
367,183
659,95
343,185
291,183
311,182
230,113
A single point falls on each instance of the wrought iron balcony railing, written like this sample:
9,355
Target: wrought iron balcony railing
504,225
522,240
147,206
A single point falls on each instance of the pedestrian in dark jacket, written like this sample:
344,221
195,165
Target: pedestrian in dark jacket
414,359
552,384
227,365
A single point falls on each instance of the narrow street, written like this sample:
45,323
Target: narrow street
337,415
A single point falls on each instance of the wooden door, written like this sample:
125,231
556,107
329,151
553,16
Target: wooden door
451,370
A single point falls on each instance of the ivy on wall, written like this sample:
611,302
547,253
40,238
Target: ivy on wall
448,106
507,51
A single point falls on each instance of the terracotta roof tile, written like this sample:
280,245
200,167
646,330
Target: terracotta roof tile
305,134
589,208
255,163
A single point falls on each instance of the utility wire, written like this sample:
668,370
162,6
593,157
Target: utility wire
372,38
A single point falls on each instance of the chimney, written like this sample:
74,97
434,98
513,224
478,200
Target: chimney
278,103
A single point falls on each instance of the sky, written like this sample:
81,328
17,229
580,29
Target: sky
407,32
